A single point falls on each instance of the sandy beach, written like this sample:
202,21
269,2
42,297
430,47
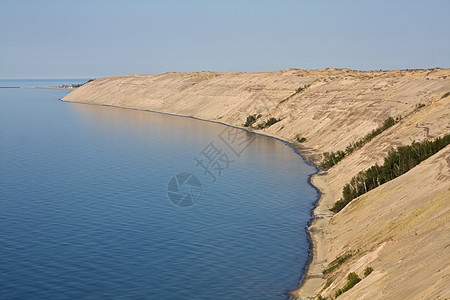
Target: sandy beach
314,277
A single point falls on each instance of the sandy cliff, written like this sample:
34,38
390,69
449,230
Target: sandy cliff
401,228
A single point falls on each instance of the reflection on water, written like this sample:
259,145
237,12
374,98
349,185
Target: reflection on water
84,209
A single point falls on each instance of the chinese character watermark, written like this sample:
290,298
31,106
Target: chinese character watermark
185,189
213,161
237,140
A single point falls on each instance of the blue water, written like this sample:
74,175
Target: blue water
31,83
85,212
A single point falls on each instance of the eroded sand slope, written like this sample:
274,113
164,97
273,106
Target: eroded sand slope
401,229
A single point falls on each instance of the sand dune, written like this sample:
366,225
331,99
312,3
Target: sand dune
401,228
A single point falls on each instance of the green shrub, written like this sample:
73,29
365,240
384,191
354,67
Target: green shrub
337,262
339,205
352,280
332,158
251,119
271,121
328,283
295,93
268,123
419,106
299,138
398,162
302,88
367,271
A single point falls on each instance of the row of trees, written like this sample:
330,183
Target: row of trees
397,162
75,85
332,158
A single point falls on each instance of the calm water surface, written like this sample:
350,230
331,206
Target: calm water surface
85,213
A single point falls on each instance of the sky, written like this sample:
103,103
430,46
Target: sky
96,38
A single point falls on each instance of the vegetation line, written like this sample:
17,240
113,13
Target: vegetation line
398,162
352,280
251,119
332,158
337,262
300,89
268,123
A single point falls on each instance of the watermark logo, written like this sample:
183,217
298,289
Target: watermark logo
237,140
184,190
216,157
263,102
213,161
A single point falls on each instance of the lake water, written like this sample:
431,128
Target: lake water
85,211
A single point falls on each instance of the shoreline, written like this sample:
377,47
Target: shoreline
308,283
54,88
313,277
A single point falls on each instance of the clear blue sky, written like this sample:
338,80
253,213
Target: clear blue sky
59,38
